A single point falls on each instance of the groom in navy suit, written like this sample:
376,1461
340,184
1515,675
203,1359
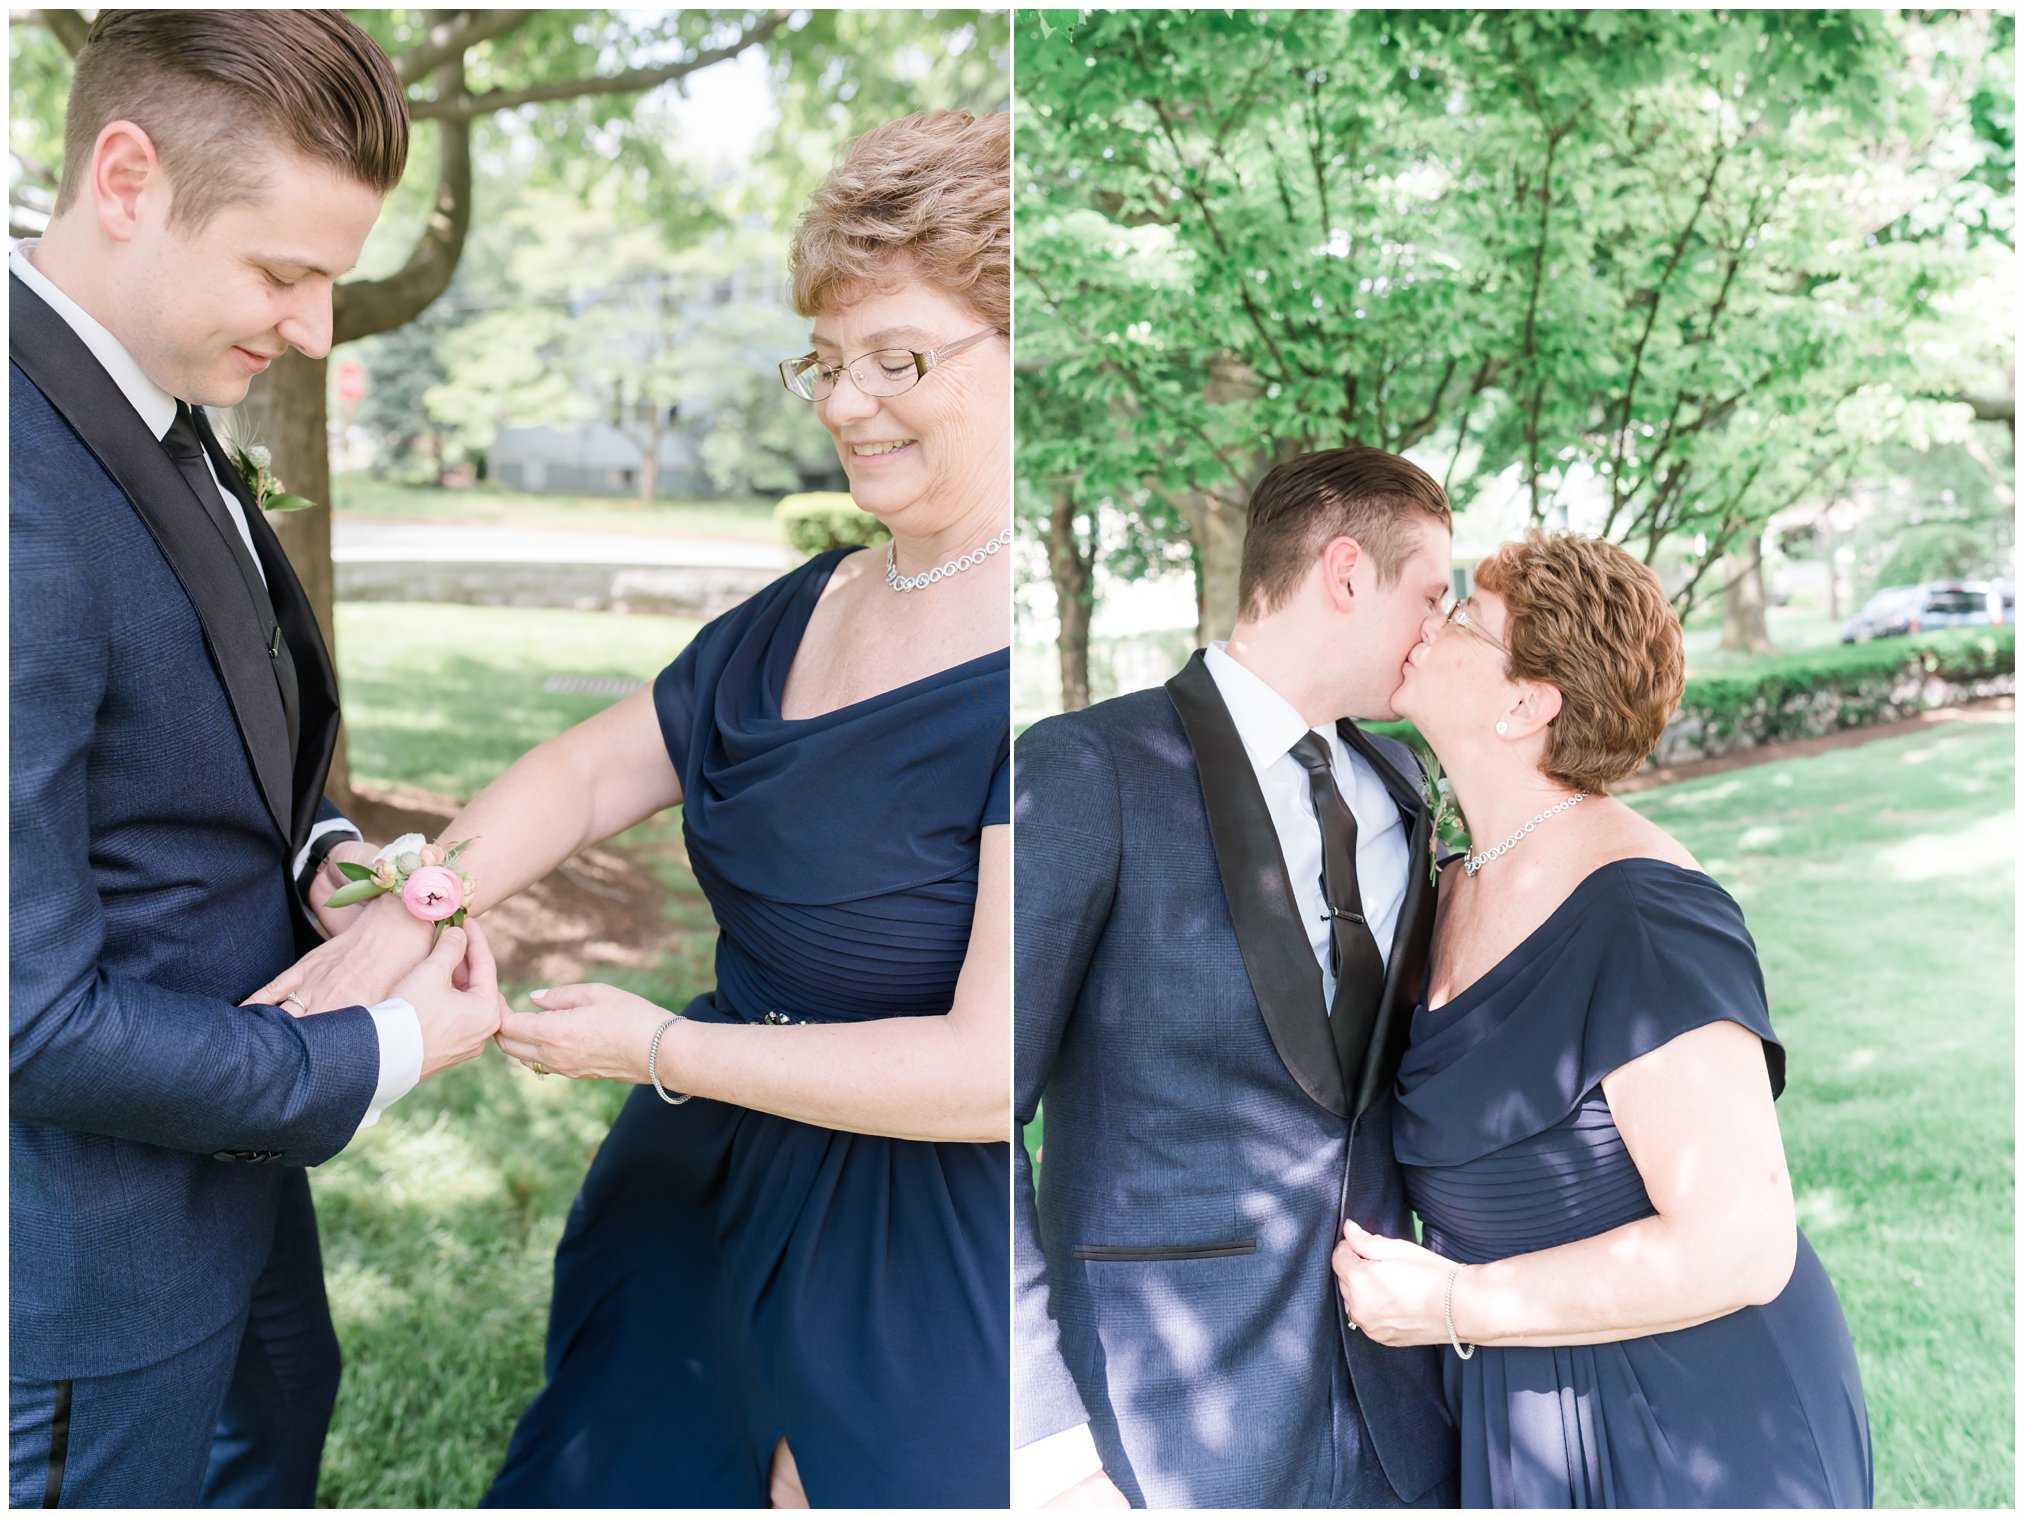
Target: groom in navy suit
1223,911
172,718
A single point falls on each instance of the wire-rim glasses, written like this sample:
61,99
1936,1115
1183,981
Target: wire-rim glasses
889,371
1458,616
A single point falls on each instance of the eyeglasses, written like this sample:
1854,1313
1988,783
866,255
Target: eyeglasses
890,371
1458,616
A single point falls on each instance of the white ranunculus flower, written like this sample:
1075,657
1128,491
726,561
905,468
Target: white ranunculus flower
407,843
259,457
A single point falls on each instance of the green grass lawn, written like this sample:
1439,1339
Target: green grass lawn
439,1224
360,495
449,710
1879,882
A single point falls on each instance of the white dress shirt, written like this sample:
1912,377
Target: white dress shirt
1269,726
400,1030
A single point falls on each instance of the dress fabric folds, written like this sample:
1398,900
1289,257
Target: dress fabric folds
1508,1146
728,1277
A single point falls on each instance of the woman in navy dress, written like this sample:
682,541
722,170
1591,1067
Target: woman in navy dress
1585,1118
786,1277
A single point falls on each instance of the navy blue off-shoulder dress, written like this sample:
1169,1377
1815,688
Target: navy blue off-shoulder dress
729,1277
1507,1146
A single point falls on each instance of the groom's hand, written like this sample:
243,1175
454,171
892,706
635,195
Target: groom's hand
328,880
356,968
455,994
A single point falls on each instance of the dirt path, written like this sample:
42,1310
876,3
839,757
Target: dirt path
1995,709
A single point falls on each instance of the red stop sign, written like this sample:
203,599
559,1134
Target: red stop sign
350,383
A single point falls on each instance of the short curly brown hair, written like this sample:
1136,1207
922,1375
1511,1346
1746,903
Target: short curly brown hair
927,196
1590,620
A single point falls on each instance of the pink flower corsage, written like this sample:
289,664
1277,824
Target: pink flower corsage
421,872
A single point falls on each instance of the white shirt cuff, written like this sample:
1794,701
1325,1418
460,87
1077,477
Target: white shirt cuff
400,1051
1044,1469
330,825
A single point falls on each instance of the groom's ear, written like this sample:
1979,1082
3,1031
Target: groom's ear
124,168
1339,561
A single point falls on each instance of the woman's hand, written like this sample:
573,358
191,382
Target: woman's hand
1392,1289
589,1032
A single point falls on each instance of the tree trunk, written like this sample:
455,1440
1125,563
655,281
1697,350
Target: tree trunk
1743,626
285,410
650,467
1823,534
1071,566
1219,535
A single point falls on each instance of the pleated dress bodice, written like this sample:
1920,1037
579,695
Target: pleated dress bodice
838,852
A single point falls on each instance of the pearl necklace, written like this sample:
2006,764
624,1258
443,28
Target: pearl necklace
1476,862
956,566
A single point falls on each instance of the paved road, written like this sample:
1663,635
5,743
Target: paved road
369,542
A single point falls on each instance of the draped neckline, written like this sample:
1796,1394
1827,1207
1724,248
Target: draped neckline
1559,921
792,631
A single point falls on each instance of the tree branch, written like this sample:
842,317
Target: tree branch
68,27
379,305
424,58
461,106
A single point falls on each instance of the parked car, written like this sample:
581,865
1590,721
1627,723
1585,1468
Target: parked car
1902,609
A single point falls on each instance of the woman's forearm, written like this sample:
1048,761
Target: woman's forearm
903,1077
1650,1276
578,788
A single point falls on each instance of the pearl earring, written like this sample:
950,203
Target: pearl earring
1503,728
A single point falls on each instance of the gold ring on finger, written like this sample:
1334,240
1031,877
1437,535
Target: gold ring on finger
300,1004
537,1067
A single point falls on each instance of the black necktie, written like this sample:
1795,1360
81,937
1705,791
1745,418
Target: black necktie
184,443
1352,951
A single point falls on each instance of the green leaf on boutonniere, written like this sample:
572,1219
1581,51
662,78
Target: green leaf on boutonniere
458,848
352,871
351,895
287,502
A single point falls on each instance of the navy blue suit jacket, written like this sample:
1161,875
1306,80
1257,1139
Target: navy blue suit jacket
153,811
1208,1126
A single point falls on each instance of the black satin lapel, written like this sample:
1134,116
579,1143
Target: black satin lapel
315,680
1278,958
64,370
1405,968
1406,964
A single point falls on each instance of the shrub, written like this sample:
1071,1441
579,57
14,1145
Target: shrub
818,521
1826,690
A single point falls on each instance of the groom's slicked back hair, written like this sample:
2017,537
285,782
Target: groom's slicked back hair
212,89
1304,504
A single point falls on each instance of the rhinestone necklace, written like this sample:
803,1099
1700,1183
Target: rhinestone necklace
922,581
1476,862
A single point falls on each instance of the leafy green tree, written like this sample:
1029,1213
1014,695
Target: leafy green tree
1618,252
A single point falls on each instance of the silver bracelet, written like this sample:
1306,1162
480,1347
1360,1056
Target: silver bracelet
1453,1337
653,1074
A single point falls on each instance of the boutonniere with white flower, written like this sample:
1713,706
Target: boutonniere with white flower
256,469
